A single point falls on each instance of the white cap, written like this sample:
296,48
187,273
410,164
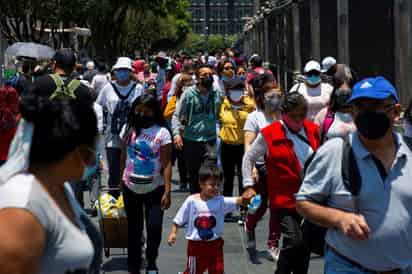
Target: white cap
312,65
162,55
327,63
123,62
90,65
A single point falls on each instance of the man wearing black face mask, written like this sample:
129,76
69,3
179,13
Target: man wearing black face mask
367,232
194,123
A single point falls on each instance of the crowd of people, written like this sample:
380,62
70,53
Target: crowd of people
324,157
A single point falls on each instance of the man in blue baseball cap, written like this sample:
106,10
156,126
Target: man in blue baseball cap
368,221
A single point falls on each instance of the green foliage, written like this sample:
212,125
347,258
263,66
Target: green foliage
117,27
215,42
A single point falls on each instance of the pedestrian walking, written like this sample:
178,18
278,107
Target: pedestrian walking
235,108
336,119
313,89
267,98
204,213
194,123
367,230
116,99
183,83
286,145
42,226
147,171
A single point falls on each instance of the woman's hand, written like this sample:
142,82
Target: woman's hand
166,201
171,240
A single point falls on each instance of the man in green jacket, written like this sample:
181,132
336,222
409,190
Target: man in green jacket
194,123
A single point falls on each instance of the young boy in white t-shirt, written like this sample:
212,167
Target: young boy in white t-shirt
204,214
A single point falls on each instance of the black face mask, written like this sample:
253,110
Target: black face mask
207,82
372,125
341,99
144,121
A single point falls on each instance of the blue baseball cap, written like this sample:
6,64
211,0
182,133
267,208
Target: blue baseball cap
374,88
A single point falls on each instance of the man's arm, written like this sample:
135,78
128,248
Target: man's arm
350,224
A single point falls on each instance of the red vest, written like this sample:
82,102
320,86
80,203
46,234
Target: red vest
282,165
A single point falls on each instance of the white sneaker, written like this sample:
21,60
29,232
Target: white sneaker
274,253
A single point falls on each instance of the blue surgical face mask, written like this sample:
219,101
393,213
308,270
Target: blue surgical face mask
88,172
242,77
122,75
313,80
225,78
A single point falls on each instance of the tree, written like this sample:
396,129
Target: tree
216,42
114,25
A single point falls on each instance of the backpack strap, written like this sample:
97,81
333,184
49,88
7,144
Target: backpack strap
350,172
122,97
63,90
327,123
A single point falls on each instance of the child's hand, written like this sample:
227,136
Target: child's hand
172,239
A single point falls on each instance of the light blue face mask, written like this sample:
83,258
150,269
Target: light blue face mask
242,77
313,80
89,172
225,78
122,75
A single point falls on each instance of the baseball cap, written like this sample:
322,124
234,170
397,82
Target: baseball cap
312,65
327,63
65,58
162,55
123,62
374,88
90,65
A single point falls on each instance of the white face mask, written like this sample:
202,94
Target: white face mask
235,95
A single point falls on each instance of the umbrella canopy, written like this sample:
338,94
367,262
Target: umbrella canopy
32,50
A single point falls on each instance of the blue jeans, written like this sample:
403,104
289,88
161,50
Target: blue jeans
335,264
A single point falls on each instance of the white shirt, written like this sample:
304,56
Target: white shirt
317,97
143,157
341,126
204,219
255,122
108,99
407,128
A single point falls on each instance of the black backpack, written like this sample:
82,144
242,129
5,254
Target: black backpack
314,235
120,111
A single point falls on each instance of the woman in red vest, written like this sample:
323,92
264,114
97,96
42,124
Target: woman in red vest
286,145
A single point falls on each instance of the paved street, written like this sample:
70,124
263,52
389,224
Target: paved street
172,260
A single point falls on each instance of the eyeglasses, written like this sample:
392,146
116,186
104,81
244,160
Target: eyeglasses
373,107
228,68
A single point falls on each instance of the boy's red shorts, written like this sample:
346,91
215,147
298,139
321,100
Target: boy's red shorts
205,255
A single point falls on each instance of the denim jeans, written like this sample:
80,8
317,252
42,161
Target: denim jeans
335,264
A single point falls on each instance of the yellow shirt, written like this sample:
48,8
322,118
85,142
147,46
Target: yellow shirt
233,119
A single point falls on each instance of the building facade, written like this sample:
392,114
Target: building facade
225,17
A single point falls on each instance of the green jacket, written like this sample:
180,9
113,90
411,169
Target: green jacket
198,117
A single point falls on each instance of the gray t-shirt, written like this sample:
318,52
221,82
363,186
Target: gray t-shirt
68,247
255,122
386,203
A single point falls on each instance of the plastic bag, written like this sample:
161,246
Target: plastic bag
108,205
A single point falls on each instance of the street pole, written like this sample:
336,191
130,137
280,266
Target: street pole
1,58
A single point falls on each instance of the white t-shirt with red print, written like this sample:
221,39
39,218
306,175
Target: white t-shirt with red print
142,173
204,219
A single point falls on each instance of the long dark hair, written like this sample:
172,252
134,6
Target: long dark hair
148,100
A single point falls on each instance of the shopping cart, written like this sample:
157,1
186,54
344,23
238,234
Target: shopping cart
113,229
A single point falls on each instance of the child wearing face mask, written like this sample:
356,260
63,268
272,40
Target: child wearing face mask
147,171
234,110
